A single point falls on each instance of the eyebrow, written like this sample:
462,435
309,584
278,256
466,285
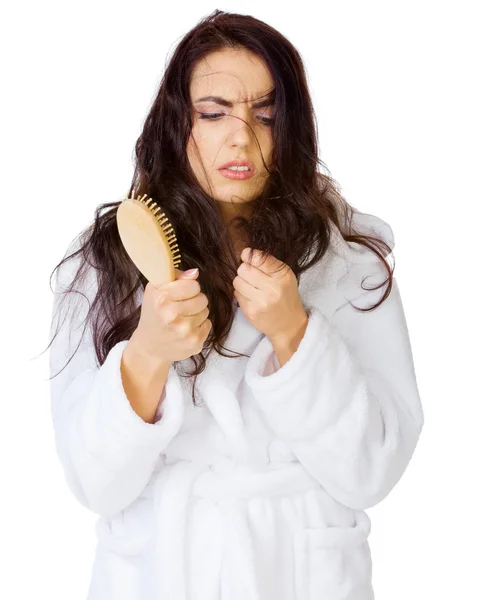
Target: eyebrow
218,100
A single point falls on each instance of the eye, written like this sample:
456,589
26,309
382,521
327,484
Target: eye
215,116
210,115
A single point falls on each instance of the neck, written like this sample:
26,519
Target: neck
229,210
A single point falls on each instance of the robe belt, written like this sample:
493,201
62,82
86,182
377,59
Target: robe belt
225,484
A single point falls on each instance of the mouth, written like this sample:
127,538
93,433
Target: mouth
230,174
238,169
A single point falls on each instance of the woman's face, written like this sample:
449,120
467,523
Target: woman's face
241,79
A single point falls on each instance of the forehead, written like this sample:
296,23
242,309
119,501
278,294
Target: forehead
237,75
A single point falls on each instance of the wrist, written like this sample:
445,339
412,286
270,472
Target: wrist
290,340
136,352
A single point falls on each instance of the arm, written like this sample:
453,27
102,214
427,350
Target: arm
346,401
107,451
143,381
285,347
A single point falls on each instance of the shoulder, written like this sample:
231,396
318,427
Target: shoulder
361,267
366,224
349,268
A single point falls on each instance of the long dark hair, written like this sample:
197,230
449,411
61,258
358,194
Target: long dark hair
290,218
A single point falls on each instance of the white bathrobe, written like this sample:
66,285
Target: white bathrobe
259,494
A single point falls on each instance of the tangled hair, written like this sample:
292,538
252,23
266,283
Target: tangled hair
290,218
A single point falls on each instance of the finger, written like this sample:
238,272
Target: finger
253,275
263,262
194,306
180,289
241,299
248,291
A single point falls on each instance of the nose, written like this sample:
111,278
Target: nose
240,132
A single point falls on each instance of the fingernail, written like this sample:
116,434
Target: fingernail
191,272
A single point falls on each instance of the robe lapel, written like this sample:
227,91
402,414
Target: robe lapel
219,383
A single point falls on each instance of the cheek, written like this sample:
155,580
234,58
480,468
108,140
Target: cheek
201,141
194,148
200,154
267,152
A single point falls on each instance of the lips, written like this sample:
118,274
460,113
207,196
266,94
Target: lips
243,162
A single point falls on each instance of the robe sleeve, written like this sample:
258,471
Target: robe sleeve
108,453
346,402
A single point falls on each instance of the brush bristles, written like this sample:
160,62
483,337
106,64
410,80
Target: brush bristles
161,218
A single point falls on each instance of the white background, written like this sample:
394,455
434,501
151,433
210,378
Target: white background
404,103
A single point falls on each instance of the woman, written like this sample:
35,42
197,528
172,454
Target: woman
259,490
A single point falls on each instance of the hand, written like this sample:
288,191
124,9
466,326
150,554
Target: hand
174,320
268,295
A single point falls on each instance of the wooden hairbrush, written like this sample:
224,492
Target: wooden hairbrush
150,243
